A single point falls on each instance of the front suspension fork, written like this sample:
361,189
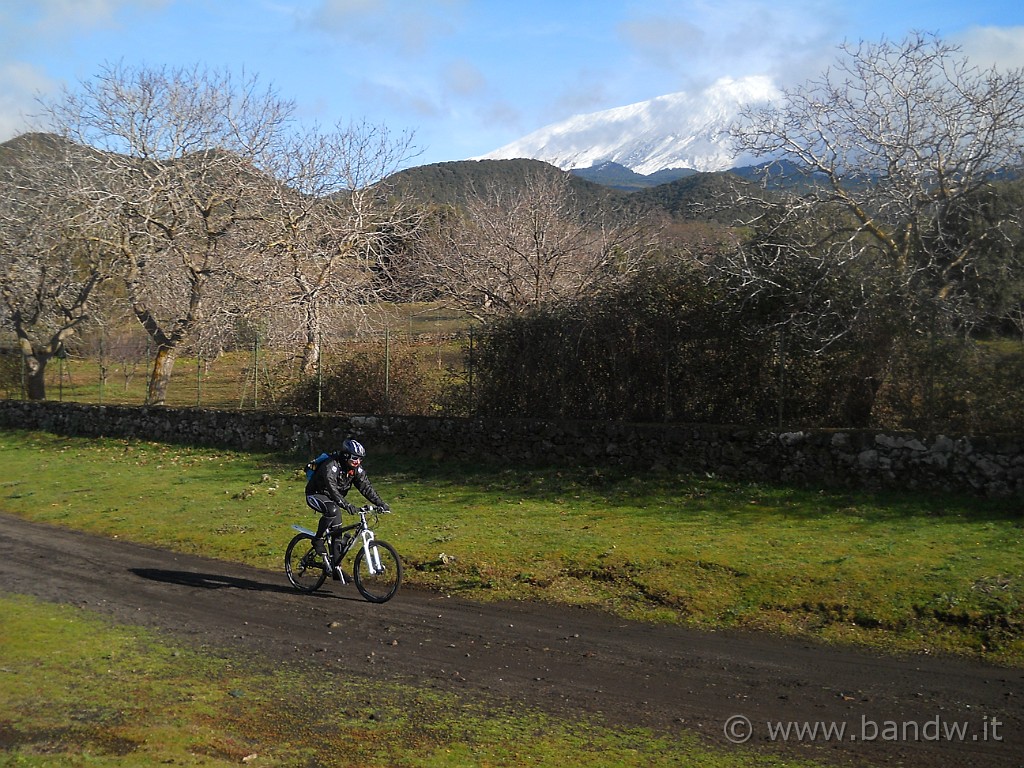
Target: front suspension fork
372,553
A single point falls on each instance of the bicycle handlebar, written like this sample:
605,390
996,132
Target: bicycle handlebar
371,509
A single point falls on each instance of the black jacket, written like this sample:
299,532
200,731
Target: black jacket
334,480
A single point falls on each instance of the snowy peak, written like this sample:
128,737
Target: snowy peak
679,130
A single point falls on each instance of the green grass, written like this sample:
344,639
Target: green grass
79,691
905,572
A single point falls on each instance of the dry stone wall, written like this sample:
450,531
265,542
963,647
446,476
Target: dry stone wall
984,465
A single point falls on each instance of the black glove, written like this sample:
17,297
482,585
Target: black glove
383,508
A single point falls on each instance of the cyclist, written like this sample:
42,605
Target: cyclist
332,479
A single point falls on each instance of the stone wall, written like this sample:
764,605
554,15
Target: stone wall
989,466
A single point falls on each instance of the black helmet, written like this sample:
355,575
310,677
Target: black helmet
351,449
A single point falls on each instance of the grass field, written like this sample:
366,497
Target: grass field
905,573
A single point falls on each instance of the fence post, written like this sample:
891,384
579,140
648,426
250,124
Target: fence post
782,375
256,372
62,355
471,408
103,360
387,371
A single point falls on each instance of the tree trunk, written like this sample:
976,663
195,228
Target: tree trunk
160,378
35,380
311,349
34,359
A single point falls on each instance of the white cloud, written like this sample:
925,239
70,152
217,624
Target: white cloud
400,28
1001,47
27,26
22,85
55,18
398,94
663,40
464,78
701,41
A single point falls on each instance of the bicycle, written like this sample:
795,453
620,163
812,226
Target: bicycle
376,569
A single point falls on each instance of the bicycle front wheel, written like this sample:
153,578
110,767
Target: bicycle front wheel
377,581
305,568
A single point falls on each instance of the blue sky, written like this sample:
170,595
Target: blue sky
468,76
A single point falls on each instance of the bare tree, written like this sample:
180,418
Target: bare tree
182,151
330,223
50,266
513,248
895,143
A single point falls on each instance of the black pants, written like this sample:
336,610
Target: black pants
330,515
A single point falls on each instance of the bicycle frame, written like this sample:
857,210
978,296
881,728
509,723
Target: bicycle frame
363,532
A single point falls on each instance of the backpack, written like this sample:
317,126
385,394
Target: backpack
311,466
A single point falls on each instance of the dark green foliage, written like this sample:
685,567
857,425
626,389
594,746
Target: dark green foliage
667,347
620,177
949,385
355,383
979,291
700,197
654,350
10,372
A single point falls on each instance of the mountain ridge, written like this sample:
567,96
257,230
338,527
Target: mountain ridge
681,193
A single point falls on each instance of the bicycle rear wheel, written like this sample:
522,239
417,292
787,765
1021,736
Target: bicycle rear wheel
305,568
378,585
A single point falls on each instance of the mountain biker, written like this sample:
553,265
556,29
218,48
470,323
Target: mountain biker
332,479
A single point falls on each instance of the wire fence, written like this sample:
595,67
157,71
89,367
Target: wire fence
259,376
456,374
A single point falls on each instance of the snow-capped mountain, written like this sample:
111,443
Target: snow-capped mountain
679,130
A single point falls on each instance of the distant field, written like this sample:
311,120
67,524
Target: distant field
229,381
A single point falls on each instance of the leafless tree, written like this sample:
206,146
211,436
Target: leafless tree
182,153
896,143
513,248
330,224
50,265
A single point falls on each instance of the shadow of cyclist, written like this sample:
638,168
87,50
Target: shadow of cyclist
216,581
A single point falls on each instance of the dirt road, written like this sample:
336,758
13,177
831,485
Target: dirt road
917,711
